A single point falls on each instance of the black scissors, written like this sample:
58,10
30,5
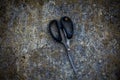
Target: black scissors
62,32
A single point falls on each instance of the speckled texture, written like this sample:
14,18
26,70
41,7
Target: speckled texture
27,51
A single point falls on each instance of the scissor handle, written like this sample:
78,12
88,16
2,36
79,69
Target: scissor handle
54,30
67,26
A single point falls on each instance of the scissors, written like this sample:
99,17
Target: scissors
62,32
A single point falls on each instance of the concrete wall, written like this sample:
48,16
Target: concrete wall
27,51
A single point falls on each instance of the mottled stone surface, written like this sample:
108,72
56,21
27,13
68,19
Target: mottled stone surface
27,51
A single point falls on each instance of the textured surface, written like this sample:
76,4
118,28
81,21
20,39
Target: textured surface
27,51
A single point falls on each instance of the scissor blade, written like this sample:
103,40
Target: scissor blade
71,62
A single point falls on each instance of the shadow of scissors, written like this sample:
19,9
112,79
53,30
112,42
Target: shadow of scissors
62,32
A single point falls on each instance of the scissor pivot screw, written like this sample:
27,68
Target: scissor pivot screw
68,49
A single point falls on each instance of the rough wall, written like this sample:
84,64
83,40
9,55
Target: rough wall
27,51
